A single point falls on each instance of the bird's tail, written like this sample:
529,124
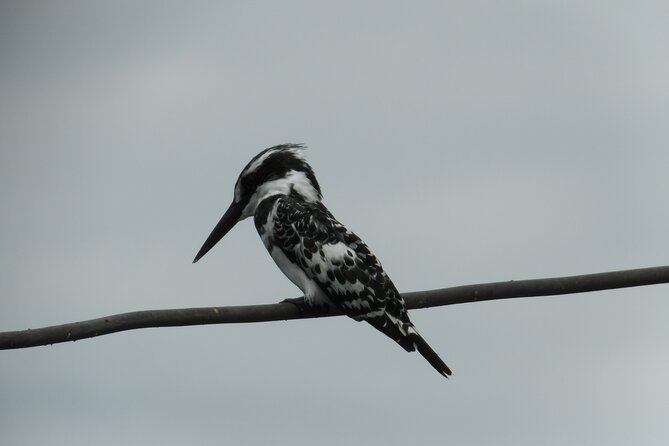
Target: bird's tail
429,354
406,335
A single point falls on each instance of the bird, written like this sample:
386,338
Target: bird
331,265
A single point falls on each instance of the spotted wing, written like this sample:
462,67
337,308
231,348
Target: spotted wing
341,264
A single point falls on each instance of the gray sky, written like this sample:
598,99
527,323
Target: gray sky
466,142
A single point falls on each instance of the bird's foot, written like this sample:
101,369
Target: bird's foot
299,302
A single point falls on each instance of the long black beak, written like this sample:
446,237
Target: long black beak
229,219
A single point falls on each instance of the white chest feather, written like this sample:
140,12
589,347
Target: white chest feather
312,292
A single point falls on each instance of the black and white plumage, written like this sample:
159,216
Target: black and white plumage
329,263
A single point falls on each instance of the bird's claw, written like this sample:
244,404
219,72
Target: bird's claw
299,302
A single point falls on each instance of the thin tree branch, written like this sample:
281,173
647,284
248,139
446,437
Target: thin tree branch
285,311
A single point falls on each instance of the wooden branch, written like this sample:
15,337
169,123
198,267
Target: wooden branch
285,311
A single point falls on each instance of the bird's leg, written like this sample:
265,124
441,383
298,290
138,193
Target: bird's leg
307,307
299,302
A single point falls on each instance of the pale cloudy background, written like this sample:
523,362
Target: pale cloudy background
466,142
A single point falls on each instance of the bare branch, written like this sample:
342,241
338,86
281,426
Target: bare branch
285,311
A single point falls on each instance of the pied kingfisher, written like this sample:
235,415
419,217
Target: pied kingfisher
329,263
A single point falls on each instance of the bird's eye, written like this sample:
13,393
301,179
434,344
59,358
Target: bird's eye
247,186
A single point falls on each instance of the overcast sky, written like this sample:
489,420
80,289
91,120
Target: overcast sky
465,141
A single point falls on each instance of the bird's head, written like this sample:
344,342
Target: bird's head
278,170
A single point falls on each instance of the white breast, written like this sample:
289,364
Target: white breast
312,292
